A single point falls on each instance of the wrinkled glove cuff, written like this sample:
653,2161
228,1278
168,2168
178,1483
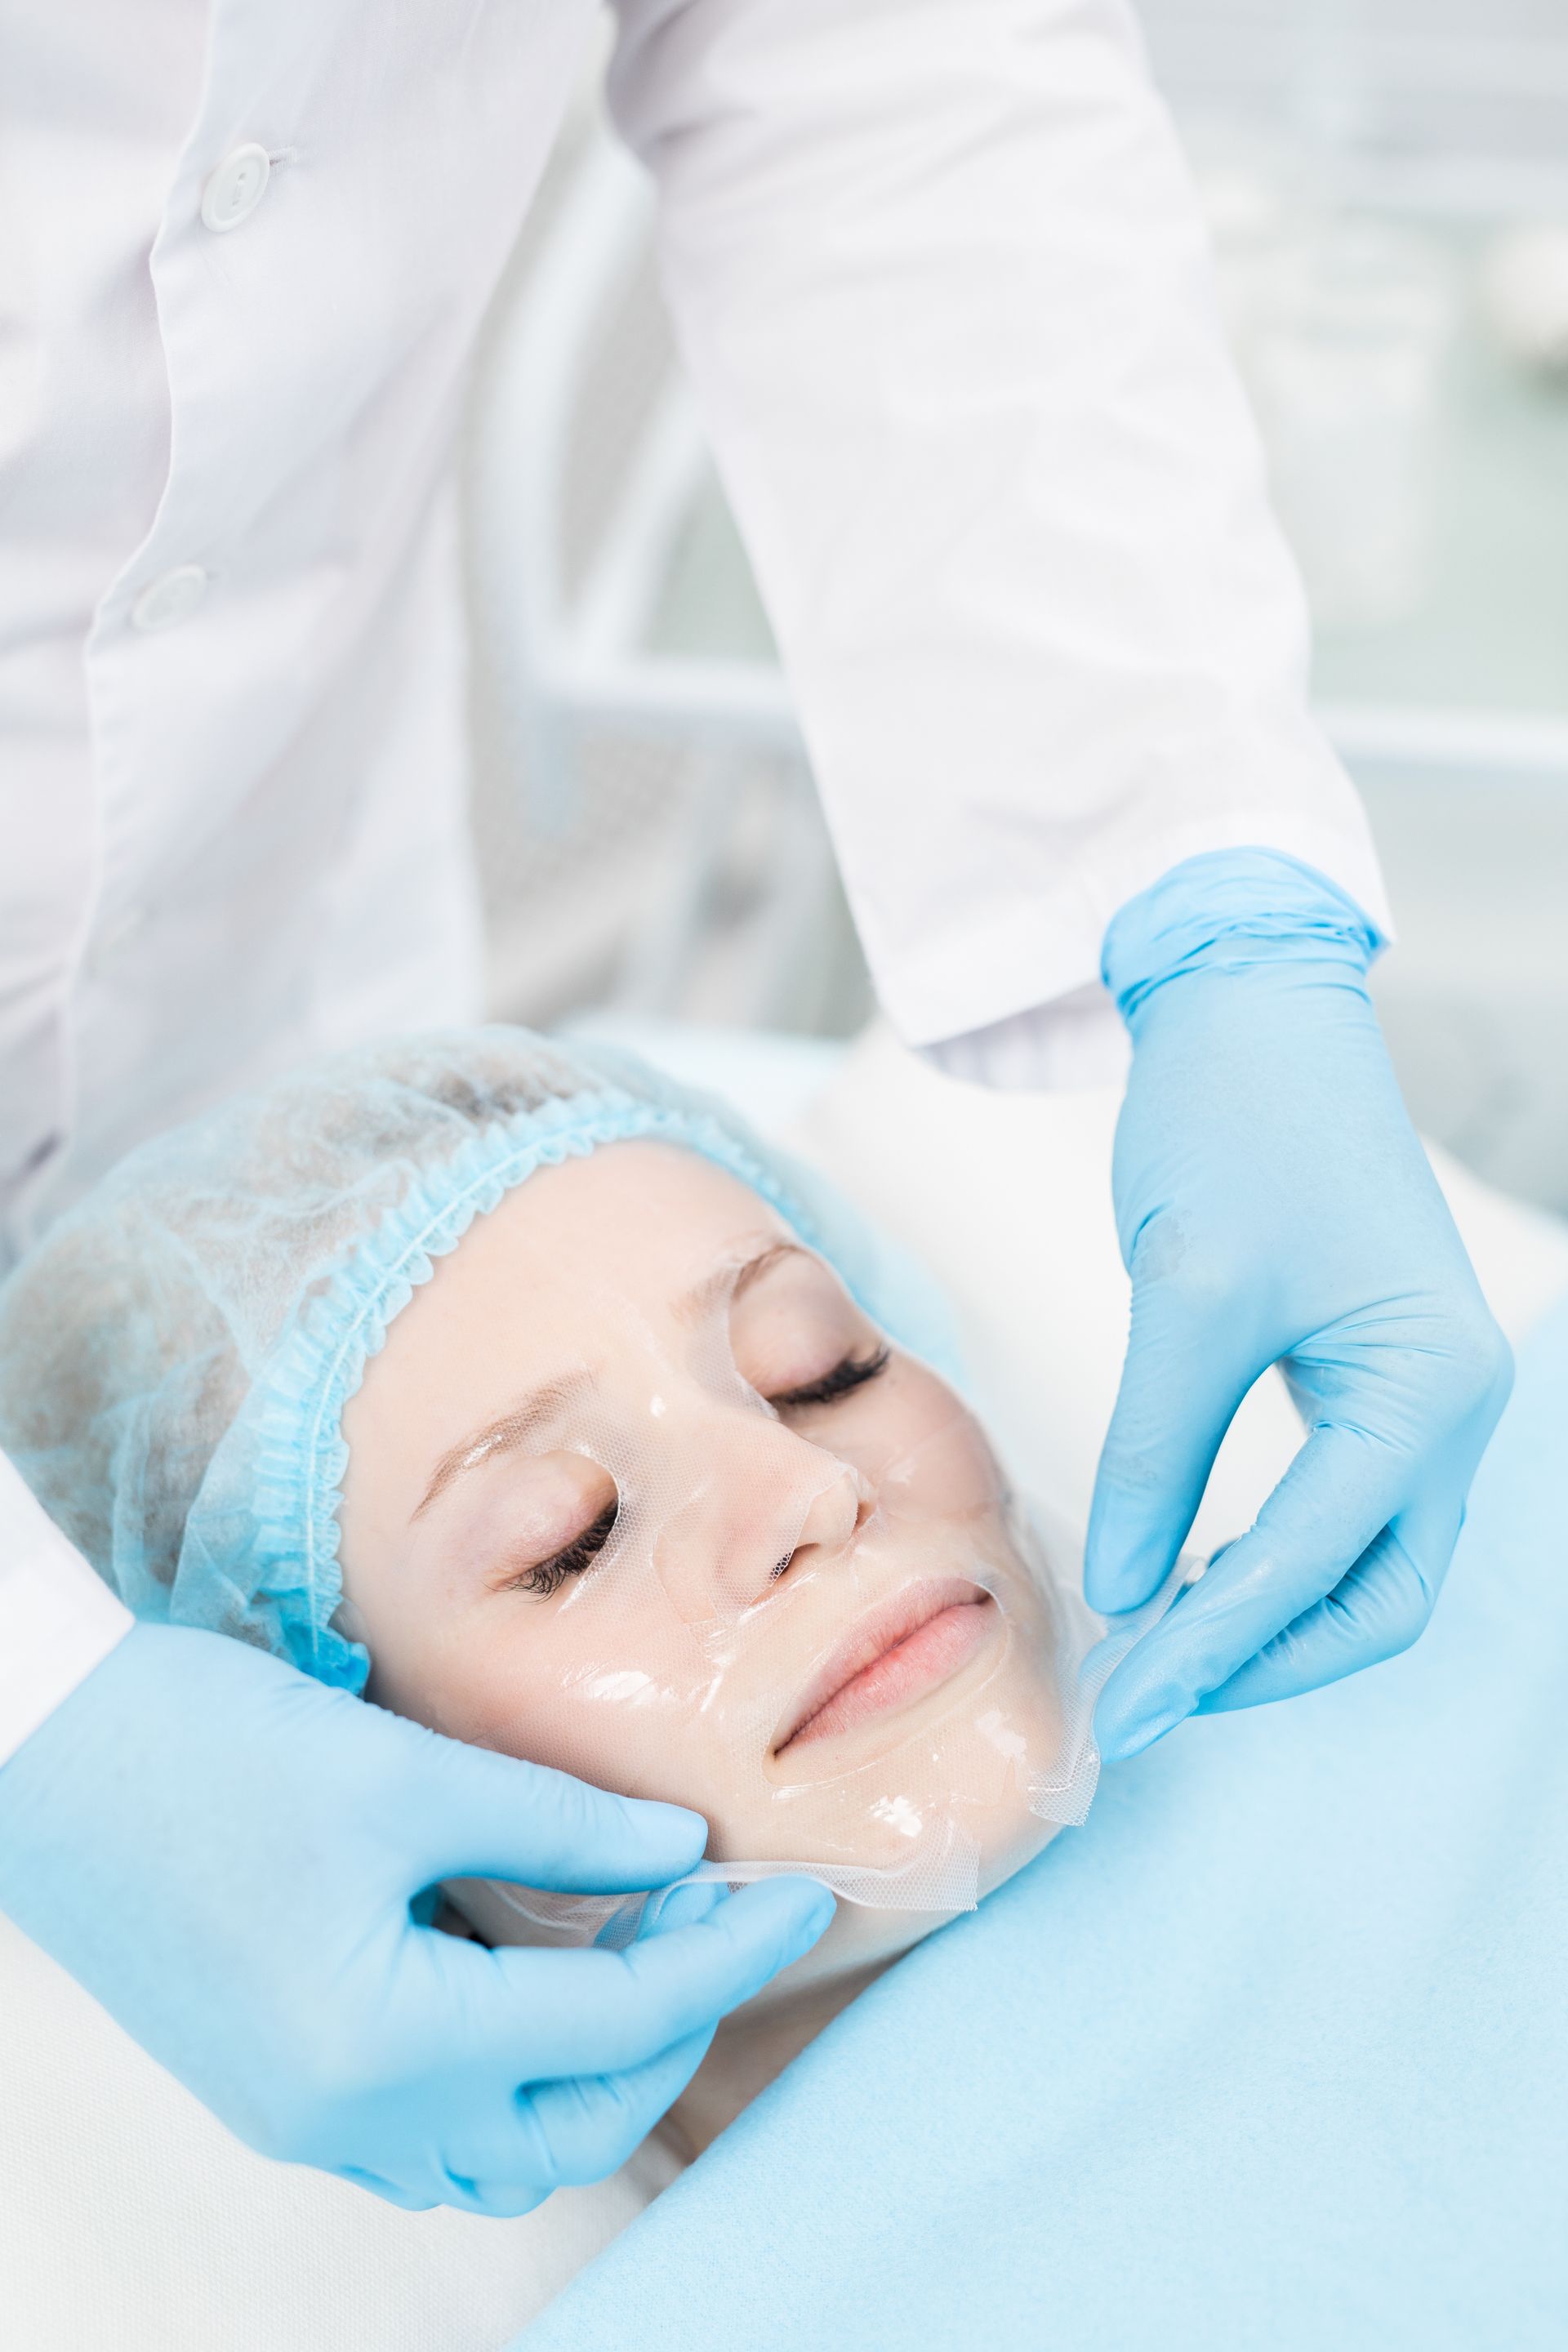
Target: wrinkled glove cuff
1232,910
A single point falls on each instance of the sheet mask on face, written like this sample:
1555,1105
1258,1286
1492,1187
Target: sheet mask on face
730,1545
645,1463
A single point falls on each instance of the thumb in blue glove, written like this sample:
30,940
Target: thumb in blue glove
1274,1205
225,1855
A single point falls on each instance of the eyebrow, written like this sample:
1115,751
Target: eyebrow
728,1282
502,1435
509,1429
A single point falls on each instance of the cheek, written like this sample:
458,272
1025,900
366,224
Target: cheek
907,1432
611,1704
937,1464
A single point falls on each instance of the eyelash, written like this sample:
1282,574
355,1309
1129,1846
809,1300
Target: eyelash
852,1373
548,1576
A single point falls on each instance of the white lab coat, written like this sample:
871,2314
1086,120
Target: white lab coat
941,286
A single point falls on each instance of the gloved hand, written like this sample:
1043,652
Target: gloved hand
225,1852
1274,1205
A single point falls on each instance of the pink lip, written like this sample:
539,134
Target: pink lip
904,1647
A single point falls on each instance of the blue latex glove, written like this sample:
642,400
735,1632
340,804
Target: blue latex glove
224,1854
1274,1205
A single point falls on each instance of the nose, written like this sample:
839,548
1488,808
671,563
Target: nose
768,1505
834,1515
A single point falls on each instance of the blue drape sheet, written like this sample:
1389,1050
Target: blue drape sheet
1273,2054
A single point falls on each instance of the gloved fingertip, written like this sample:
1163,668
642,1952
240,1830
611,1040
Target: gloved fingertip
1117,1741
668,1829
655,1814
1122,1553
686,1906
1108,1594
1115,1582
822,1911
814,1920
805,1908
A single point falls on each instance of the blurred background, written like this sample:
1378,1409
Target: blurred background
1387,186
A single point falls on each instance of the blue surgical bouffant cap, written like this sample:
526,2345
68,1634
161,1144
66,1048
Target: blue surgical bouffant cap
177,1354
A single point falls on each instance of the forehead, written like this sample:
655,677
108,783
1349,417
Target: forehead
572,1271
639,1222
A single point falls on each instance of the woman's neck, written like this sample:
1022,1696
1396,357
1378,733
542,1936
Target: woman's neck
749,2051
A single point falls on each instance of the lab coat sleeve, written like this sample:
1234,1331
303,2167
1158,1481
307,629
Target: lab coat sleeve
941,285
58,1618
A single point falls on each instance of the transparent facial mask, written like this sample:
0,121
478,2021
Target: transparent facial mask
948,1870
822,1620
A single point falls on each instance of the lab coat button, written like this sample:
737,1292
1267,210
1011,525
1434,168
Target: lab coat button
237,188
165,603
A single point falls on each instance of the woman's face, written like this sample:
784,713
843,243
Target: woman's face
635,1489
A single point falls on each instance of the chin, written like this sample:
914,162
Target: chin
860,1943
864,1938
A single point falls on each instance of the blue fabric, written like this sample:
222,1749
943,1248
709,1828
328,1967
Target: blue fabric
1268,2058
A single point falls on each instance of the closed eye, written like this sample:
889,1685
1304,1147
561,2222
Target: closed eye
547,1576
852,1373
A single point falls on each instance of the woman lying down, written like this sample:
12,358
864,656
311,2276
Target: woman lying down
528,1395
